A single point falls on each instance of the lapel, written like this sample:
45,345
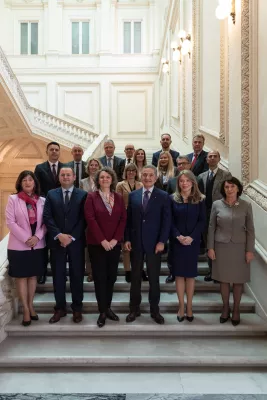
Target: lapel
49,172
72,200
103,161
153,197
24,210
205,177
114,162
103,205
217,180
126,186
39,213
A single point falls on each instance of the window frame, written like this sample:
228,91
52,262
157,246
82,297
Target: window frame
80,22
132,21
29,23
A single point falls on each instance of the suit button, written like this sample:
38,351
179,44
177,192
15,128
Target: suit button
144,220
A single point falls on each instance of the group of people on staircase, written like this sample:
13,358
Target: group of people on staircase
177,205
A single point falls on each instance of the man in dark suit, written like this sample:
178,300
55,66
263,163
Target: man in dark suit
198,158
209,184
129,156
147,230
65,222
165,142
78,166
47,175
109,160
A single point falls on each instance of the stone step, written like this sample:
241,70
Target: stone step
203,269
32,352
203,325
202,302
122,286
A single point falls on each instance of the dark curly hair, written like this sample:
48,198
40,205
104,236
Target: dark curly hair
234,181
109,171
23,175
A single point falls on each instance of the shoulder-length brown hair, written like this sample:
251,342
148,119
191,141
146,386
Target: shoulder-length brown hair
130,166
170,167
134,157
195,196
22,175
109,171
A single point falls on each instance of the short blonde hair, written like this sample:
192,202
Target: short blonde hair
93,159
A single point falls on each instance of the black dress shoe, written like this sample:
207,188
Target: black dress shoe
101,320
128,276
190,319
158,318
235,322
41,280
208,278
144,276
132,316
111,315
223,319
26,323
180,319
170,279
34,317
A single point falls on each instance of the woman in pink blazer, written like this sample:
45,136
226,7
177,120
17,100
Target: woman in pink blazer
26,244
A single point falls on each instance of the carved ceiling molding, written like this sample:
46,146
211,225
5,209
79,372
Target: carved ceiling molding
224,75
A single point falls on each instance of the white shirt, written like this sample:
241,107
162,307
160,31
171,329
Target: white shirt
64,192
214,171
126,160
150,190
111,161
51,165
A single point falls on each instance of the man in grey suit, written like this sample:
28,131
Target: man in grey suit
110,160
78,166
209,184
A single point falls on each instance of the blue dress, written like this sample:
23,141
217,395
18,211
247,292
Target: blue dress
188,220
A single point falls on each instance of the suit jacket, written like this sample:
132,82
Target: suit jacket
173,153
220,176
145,229
233,224
124,190
116,165
84,164
102,225
59,219
45,177
201,163
18,223
86,185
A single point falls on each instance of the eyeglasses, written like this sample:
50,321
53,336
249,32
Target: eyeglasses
131,170
182,163
129,148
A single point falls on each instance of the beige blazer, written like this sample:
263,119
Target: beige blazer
124,189
220,176
85,184
233,224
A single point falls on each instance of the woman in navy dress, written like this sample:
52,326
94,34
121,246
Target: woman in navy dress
188,222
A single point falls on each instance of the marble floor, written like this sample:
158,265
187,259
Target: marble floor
77,396
181,382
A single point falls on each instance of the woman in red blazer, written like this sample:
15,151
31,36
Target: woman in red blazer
106,219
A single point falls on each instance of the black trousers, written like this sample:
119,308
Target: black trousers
58,257
105,270
153,263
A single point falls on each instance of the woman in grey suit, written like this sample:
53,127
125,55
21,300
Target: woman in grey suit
231,241
88,184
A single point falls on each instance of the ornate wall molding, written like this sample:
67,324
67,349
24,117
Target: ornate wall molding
195,64
224,82
256,196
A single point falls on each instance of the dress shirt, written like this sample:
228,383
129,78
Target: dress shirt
150,190
194,156
111,161
51,166
126,160
213,171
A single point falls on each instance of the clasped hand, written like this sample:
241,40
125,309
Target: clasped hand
64,239
109,245
32,241
185,240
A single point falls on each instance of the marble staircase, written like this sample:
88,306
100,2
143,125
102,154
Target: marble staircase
203,343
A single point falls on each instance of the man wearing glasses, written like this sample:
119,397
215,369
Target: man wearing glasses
182,163
129,156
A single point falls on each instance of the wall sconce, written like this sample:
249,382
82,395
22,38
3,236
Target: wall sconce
165,65
183,47
226,8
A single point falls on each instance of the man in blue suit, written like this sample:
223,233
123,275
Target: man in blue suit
65,222
198,158
165,142
147,230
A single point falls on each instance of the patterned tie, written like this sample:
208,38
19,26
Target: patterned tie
145,199
54,172
194,161
128,161
211,175
109,162
77,180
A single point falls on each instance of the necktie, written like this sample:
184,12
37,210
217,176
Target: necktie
128,161
77,180
67,198
145,199
194,161
109,162
54,172
211,175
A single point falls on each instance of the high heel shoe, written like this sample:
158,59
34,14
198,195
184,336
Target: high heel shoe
235,322
180,319
223,319
34,317
26,323
190,319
